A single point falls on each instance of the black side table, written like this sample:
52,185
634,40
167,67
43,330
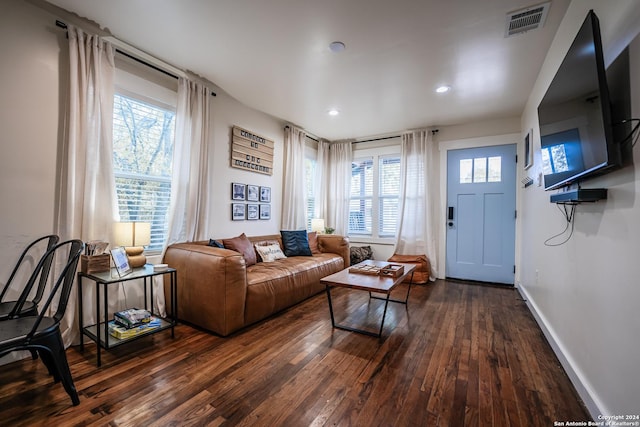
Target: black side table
100,332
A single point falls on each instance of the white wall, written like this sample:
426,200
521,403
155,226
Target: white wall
33,76
30,123
585,293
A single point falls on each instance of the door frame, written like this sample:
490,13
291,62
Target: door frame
485,141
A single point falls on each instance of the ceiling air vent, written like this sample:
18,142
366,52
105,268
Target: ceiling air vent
526,19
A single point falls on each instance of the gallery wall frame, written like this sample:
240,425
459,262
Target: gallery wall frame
265,194
238,191
528,149
238,211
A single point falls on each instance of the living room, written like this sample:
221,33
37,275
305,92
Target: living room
581,293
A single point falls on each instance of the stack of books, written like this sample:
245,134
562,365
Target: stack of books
132,322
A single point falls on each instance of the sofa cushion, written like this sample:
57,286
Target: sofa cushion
295,242
274,286
243,245
269,253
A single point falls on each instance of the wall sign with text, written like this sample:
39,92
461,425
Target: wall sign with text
251,152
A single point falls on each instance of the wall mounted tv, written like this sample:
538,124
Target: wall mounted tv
576,135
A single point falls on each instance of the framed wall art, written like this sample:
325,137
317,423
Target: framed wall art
237,211
265,194
265,211
252,211
528,149
238,191
253,193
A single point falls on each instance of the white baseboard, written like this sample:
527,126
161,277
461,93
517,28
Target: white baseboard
577,379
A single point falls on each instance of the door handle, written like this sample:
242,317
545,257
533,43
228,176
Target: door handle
450,216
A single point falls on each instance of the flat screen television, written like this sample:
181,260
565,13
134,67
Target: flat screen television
576,134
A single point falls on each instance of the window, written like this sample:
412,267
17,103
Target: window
310,174
143,135
375,189
481,169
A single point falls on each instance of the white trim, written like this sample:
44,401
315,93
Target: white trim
576,377
134,51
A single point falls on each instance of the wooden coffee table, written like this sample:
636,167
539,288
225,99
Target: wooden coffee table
369,283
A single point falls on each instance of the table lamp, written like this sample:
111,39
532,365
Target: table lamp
133,236
317,225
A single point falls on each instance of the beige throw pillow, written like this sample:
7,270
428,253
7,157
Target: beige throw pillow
270,253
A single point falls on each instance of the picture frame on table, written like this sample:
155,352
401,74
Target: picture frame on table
238,191
121,261
253,211
265,194
528,149
238,211
253,193
265,211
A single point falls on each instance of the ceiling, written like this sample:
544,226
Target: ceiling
273,55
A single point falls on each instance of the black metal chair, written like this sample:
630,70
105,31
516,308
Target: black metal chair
41,332
32,253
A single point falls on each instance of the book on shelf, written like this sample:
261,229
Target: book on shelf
121,332
132,317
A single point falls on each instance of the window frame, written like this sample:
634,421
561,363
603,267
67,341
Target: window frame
141,86
390,149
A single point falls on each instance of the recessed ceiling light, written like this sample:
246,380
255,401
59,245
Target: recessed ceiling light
333,112
443,89
337,47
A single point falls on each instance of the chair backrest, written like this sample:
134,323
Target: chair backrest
43,272
64,280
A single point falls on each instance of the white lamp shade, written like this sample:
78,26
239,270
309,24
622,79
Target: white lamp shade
317,225
132,233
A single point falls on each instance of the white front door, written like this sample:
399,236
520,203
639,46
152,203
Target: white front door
481,200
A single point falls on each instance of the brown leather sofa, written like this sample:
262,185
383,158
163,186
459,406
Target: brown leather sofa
218,292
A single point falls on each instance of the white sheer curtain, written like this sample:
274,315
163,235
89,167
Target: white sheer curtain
339,171
189,207
418,228
86,206
294,216
321,180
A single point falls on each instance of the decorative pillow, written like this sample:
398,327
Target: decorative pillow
267,243
359,254
313,243
296,243
270,253
243,245
215,244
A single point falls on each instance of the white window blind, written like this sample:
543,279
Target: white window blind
389,179
361,201
310,172
375,188
143,136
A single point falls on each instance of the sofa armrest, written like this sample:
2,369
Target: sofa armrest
212,286
336,244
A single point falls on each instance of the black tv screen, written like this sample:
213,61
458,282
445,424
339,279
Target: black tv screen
575,114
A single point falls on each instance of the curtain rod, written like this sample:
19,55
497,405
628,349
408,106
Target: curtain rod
306,135
433,132
135,58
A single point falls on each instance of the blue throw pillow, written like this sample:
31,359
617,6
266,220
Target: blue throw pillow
296,243
215,244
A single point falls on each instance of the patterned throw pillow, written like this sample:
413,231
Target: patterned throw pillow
270,253
359,254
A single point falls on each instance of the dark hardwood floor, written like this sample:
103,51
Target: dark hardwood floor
460,355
